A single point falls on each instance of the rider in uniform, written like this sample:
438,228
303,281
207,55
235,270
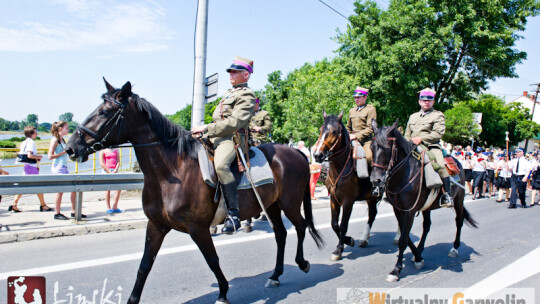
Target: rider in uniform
232,114
426,128
359,123
260,125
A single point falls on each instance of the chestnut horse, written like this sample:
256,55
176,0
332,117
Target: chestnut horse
342,182
398,168
174,194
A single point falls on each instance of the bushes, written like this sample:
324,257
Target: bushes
7,144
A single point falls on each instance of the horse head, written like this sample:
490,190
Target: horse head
330,136
104,127
383,148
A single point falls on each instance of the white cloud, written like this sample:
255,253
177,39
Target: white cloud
123,27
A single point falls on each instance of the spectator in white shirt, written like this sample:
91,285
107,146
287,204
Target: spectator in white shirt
521,168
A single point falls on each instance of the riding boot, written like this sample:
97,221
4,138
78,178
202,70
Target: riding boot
232,223
447,200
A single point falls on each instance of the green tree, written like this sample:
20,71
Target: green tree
499,117
183,117
460,125
455,47
72,126
67,117
32,120
44,127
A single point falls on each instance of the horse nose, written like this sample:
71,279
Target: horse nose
69,151
318,157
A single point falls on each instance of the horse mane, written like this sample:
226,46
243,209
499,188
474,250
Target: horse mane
172,136
384,132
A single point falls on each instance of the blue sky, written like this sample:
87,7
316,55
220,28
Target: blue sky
53,53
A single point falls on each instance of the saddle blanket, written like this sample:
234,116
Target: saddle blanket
260,169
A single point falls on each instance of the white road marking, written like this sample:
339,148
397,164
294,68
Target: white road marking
164,251
518,271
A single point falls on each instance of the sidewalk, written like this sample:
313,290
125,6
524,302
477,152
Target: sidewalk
32,224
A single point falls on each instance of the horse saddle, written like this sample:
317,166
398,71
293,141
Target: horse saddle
451,165
259,169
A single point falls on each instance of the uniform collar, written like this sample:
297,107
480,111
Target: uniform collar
361,107
241,85
422,113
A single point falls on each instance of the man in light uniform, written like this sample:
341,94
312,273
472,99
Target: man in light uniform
359,123
260,125
426,128
232,114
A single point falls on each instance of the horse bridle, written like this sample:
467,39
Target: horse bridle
330,148
392,158
118,119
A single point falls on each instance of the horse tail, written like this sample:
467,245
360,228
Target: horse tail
469,219
308,212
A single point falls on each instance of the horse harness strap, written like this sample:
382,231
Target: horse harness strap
419,157
334,184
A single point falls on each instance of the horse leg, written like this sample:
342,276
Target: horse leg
426,227
459,224
396,237
335,210
247,227
274,212
405,222
344,225
372,210
154,238
201,236
300,225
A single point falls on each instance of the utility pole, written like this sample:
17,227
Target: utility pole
532,113
199,78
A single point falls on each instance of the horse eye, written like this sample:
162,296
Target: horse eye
103,113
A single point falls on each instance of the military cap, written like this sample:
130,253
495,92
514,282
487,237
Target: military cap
479,149
359,92
427,94
241,64
520,149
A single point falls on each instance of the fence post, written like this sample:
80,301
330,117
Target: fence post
94,163
120,151
78,206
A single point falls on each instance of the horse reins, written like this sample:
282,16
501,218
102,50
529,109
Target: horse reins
388,172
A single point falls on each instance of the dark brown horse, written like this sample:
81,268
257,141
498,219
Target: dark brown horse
342,182
175,195
398,168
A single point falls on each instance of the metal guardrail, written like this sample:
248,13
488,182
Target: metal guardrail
53,183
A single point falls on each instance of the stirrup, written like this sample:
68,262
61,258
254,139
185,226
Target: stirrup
449,202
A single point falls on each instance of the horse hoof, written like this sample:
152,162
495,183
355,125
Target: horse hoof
453,253
213,230
419,265
352,243
271,283
306,269
395,242
362,243
392,278
248,229
222,302
335,257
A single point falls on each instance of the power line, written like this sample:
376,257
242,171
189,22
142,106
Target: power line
334,9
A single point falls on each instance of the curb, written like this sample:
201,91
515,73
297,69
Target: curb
70,231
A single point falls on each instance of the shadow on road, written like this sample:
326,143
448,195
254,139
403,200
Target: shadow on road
251,289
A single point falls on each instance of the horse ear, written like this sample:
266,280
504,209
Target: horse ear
395,124
109,87
340,116
374,125
126,91
324,113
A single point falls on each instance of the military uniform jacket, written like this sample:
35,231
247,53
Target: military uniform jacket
359,122
260,119
429,126
232,113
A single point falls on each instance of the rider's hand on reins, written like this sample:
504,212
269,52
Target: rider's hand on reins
198,131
